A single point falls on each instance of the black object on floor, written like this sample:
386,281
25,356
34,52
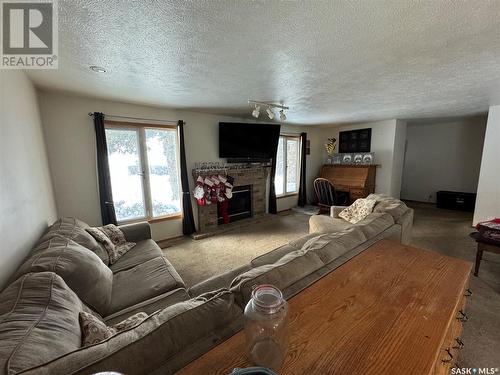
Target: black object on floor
455,200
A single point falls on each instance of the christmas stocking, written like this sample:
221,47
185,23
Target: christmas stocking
207,187
199,192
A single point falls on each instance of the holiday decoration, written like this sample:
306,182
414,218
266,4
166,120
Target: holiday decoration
330,146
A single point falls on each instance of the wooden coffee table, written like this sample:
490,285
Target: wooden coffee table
393,309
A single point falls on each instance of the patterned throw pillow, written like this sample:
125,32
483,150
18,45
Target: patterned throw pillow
102,238
114,233
94,330
113,240
357,211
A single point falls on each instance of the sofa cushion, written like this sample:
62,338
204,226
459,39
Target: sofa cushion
299,242
38,321
330,246
142,282
150,306
167,340
221,281
81,269
273,256
75,229
375,223
94,330
140,253
327,224
392,206
287,270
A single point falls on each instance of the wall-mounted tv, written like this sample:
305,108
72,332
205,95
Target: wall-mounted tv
358,140
248,142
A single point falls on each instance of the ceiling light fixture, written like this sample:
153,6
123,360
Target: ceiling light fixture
270,113
97,69
269,110
282,116
256,111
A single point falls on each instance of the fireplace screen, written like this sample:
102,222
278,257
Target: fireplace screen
239,206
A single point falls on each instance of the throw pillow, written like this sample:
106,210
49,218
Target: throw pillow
102,238
94,330
357,211
114,233
113,240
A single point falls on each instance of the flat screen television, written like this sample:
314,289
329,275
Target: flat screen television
248,142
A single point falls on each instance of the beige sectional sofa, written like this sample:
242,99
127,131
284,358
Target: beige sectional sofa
68,272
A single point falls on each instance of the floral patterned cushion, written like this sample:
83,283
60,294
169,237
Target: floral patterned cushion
357,211
94,330
113,240
114,233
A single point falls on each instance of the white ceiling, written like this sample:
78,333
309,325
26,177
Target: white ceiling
330,61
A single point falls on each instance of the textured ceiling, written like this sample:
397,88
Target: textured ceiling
330,61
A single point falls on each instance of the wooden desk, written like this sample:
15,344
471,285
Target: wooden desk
356,179
390,310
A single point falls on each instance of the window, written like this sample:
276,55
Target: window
287,166
143,164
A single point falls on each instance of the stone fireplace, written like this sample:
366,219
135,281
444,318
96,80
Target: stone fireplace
250,179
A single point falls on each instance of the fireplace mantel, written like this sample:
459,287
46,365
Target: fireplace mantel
254,175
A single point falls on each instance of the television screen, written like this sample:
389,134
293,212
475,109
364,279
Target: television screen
248,141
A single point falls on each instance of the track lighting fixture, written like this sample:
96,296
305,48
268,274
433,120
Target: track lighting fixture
269,110
256,111
270,113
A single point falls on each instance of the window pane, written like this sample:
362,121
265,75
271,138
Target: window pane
126,173
280,169
163,173
292,152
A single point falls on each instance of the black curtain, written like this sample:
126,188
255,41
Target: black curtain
273,209
108,215
302,187
188,226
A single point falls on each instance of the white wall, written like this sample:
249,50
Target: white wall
488,191
442,156
27,202
71,148
388,145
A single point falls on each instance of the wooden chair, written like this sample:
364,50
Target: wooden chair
327,195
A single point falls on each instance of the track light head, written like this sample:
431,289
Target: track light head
256,111
282,116
270,113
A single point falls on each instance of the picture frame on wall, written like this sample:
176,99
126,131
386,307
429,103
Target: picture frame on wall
353,141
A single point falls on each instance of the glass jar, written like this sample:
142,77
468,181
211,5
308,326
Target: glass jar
266,327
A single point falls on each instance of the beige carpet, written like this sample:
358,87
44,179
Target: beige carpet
443,231
197,260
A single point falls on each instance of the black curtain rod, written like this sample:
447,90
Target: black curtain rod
138,118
